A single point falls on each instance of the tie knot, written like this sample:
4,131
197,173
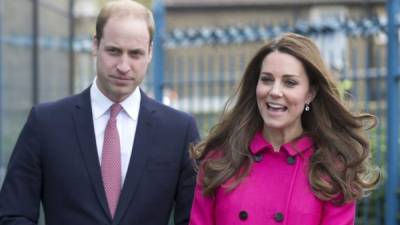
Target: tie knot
115,109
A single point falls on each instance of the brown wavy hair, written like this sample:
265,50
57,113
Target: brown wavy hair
340,168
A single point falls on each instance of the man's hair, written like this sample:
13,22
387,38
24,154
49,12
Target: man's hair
124,8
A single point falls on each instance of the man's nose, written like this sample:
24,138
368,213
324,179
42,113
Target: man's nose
123,65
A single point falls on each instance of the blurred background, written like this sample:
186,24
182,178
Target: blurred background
201,50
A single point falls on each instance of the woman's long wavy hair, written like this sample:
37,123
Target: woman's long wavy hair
339,168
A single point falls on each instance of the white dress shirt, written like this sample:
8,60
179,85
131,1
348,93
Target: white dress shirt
126,122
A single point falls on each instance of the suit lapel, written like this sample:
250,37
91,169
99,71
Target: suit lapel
143,139
84,128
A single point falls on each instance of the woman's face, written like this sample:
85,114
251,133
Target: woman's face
283,89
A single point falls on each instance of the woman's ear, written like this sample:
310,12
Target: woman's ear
311,95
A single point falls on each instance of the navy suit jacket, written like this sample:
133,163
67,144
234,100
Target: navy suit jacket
55,162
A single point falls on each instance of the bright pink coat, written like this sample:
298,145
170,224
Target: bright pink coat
275,192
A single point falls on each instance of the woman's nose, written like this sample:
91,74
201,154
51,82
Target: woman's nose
276,90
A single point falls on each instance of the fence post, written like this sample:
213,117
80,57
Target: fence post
391,198
35,52
1,87
158,50
71,39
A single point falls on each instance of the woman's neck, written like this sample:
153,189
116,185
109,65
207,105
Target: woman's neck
279,137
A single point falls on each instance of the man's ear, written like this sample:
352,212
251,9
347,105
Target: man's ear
150,52
95,45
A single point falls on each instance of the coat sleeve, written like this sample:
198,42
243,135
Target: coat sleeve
338,215
203,209
21,191
187,178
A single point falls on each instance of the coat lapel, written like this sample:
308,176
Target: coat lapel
143,139
84,128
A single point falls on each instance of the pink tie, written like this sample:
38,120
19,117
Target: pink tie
111,160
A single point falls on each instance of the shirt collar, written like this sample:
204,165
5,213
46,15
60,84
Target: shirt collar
259,144
101,104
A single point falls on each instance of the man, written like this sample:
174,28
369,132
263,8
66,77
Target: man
90,166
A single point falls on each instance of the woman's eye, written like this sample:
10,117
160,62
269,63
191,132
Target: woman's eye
291,83
265,79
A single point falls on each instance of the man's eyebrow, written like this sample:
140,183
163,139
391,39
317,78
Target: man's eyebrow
111,47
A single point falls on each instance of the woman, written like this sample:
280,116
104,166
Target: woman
289,151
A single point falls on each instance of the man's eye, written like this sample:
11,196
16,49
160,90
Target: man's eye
112,51
136,54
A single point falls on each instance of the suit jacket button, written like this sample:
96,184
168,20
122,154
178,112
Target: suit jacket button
291,160
278,217
243,215
258,157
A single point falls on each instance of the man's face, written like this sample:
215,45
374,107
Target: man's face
123,55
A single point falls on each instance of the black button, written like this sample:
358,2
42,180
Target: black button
278,217
258,157
291,160
243,215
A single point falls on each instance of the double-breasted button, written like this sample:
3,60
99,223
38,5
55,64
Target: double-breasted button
291,160
243,215
258,157
278,217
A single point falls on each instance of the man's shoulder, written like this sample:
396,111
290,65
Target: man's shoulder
164,110
63,104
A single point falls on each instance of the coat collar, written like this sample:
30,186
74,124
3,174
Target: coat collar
82,116
258,144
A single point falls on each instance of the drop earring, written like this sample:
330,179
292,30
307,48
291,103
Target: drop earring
307,107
